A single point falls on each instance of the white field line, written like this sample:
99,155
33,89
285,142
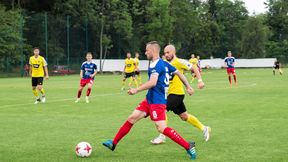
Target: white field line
59,100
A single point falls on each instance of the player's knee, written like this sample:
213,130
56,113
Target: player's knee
132,119
160,129
39,87
184,116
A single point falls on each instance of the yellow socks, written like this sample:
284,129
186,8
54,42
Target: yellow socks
139,79
35,92
194,121
42,91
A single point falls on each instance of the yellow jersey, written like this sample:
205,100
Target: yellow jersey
129,65
194,61
175,85
136,60
37,65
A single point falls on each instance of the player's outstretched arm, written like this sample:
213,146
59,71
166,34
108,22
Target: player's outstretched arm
151,83
183,79
199,77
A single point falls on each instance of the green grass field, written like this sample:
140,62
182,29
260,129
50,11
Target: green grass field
249,122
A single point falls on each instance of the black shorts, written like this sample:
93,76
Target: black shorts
175,103
276,67
137,72
128,75
37,81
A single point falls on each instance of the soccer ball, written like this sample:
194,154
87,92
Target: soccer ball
83,149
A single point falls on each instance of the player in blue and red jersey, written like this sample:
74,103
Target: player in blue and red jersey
154,105
230,67
87,74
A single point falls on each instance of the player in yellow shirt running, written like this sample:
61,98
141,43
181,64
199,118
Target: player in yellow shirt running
129,71
195,62
137,71
38,66
176,94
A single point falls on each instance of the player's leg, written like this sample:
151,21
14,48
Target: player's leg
234,76
135,80
230,79
80,89
123,81
173,135
173,102
34,89
89,88
139,78
280,71
41,89
139,113
274,71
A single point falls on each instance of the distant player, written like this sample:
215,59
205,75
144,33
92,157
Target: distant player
155,103
230,67
129,71
87,74
38,66
176,94
137,71
195,62
277,66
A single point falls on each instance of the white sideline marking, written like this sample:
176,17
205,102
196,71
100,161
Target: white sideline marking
59,100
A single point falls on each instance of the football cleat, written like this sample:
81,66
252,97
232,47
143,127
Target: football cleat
77,100
37,101
192,151
159,140
43,100
109,144
87,99
206,133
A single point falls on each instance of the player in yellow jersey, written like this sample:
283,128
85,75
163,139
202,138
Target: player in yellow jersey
129,71
194,61
176,94
38,66
137,71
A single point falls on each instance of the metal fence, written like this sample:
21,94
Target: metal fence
63,40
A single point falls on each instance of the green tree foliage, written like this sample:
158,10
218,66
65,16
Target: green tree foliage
113,27
277,20
10,36
254,37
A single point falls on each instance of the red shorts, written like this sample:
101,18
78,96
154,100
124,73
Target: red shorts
83,82
157,112
231,71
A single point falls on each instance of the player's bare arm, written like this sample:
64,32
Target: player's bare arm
183,79
46,72
30,71
151,83
201,84
81,73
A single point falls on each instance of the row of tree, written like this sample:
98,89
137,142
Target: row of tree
113,27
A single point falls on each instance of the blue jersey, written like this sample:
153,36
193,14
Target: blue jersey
158,93
229,62
88,68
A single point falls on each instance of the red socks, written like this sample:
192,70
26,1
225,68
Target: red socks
79,94
122,132
88,92
173,135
